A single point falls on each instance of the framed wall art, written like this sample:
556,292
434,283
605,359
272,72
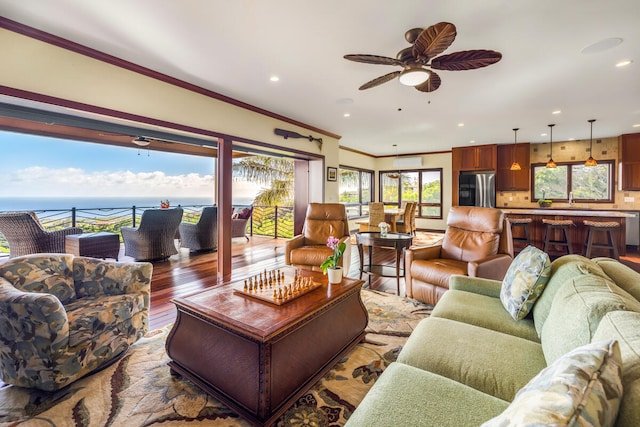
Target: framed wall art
332,174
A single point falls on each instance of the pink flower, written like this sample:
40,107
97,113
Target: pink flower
332,242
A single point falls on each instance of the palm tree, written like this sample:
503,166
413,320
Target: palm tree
277,172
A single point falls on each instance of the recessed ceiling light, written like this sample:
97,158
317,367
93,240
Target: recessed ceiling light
624,63
473,141
460,125
637,125
571,139
602,45
543,134
556,112
346,115
275,79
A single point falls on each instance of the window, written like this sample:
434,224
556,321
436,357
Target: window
355,187
423,186
583,183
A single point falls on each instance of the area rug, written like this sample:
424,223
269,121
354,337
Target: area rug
138,390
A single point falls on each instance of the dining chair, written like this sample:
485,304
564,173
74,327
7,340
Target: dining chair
403,225
376,215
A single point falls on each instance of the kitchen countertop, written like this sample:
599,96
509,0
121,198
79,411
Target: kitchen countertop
568,212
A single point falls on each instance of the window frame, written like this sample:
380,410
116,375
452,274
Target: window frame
611,183
421,204
361,203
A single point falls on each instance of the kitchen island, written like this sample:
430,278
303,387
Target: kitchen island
578,233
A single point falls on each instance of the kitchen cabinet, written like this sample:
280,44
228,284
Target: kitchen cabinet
481,157
465,159
506,179
629,157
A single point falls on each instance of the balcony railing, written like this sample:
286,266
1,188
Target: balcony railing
273,221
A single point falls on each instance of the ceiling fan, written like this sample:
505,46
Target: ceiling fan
426,45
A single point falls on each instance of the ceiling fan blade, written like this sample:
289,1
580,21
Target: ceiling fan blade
433,41
373,59
466,60
380,80
432,83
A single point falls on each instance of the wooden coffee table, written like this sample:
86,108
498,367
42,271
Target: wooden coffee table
259,358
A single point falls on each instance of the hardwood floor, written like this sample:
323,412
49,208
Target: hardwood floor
186,273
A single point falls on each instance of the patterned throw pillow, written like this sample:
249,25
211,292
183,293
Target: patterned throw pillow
525,280
582,388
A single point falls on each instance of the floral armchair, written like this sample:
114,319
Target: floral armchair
63,317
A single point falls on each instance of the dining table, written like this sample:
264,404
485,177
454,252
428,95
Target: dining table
391,215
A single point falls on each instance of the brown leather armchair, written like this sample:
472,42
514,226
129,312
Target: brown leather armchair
477,243
309,249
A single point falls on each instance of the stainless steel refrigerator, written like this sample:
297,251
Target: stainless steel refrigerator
477,189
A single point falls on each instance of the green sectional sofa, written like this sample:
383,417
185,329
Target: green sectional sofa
467,362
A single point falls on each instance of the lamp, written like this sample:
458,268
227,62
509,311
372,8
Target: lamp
141,141
551,164
591,161
413,76
395,175
515,166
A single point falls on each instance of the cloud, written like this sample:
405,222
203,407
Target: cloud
74,182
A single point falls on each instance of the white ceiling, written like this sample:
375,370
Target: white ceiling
234,47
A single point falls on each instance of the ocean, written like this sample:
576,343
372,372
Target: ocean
88,203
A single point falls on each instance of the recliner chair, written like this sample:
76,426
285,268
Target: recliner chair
477,243
309,249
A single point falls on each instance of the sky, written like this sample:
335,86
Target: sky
35,166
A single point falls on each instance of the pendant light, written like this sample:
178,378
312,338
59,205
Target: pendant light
551,164
395,175
515,166
591,161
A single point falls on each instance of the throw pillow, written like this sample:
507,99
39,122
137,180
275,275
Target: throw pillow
524,281
244,213
582,388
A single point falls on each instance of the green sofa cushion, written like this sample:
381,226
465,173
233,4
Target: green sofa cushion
407,396
476,285
524,281
622,275
582,388
577,310
489,361
624,326
483,311
562,269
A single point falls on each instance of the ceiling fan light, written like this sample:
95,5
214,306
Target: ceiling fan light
515,166
413,76
141,141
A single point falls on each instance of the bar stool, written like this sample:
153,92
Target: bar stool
601,227
524,224
555,224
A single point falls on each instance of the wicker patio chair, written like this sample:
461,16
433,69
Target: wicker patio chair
239,222
26,236
154,238
203,235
